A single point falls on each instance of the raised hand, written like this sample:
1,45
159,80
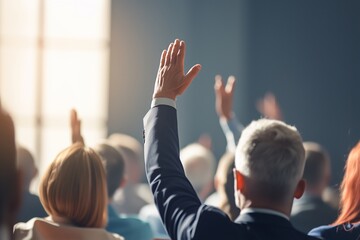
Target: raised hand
171,80
224,97
75,124
269,107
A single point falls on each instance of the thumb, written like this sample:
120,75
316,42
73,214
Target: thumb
191,74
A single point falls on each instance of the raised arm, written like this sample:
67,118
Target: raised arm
178,204
269,107
75,124
224,108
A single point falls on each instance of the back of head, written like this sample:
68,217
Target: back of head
9,185
27,166
74,187
133,154
350,194
270,154
199,165
114,165
317,166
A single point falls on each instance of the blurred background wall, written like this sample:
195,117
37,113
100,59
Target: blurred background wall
101,57
306,52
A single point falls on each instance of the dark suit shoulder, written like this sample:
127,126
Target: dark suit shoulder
341,232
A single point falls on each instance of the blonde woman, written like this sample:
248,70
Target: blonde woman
73,192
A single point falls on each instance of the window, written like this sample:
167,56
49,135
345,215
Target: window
54,57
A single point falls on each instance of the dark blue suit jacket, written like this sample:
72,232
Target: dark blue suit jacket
340,232
309,212
180,209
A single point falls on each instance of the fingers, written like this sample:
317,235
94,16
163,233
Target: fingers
162,58
168,53
230,85
181,54
218,83
73,117
174,53
191,74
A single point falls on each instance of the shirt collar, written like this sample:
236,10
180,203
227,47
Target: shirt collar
264,210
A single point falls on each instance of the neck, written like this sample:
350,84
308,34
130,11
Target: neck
60,220
282,207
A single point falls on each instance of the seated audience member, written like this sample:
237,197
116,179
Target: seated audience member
199,166
224,185
131,227
73,193
269,167
331,196
347,224
10,177
30,205
198,163
310,210
135,194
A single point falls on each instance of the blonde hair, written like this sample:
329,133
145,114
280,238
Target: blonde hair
199,165
74,187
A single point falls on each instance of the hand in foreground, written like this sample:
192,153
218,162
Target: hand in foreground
269,107
171,80
75,124
224,97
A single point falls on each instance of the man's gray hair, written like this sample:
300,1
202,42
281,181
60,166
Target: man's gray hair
271,152
199,165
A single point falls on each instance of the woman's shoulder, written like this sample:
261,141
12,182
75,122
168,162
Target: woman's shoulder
50,230
343,231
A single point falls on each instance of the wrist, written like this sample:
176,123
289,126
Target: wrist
227,116
164,95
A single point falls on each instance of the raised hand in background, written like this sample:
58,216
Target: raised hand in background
224,97
75,124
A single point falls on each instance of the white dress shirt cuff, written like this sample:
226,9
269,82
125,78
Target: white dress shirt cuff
163,101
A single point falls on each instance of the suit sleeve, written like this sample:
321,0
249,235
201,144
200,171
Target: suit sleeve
179,206
174,196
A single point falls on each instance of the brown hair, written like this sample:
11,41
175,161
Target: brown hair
350,194
74,187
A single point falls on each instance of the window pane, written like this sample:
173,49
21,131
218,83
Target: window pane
80,19
17,80
19,18
75,79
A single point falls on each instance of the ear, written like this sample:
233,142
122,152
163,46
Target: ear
239,180
300,189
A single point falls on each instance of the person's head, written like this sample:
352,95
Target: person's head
132,151
27,166
349,190
317,168
114,165
199,166
269,166
224,183
10,183
74,187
